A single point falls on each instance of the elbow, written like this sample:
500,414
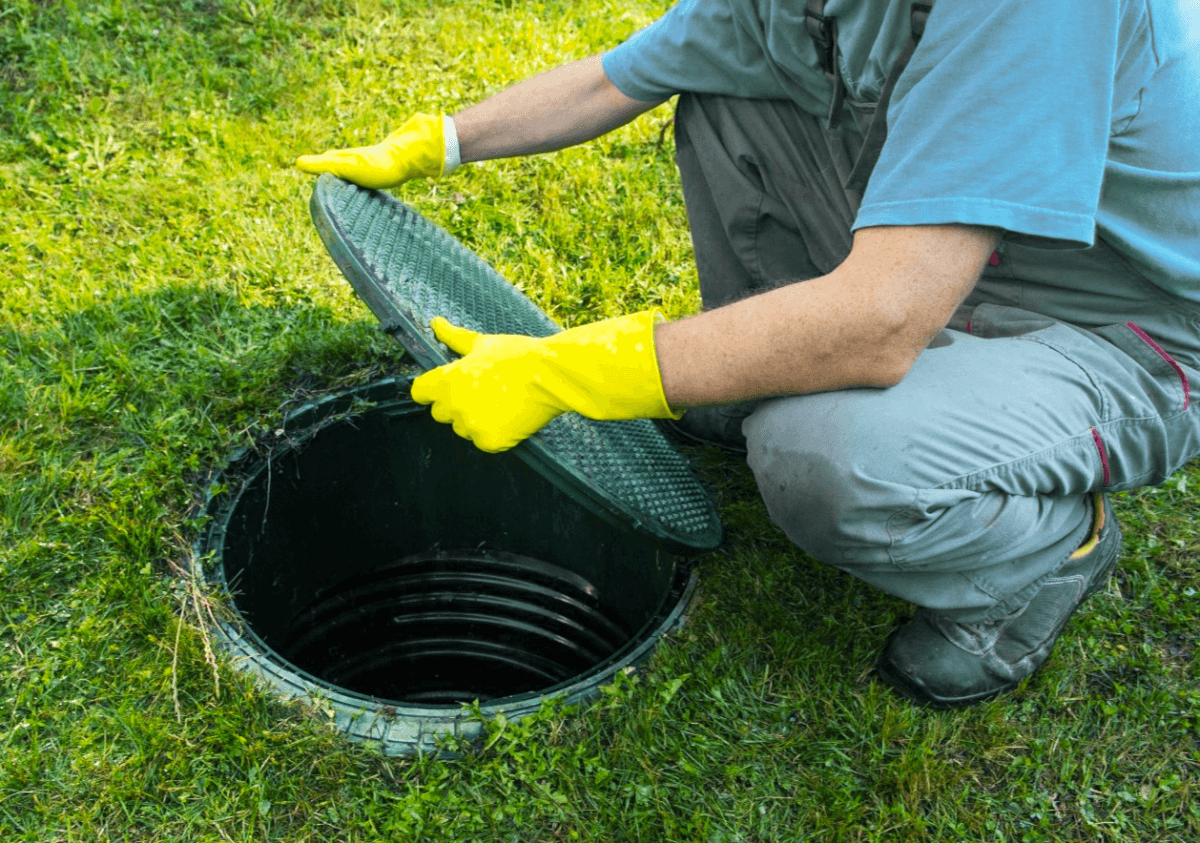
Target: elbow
877,366
897,372
887,370
894,350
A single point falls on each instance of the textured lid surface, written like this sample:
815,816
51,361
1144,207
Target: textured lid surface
409,270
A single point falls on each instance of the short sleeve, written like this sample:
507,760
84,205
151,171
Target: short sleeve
696,46
1002,119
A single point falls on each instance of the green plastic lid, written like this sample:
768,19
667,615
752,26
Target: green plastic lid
408,270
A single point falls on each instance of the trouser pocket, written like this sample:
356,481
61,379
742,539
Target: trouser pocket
1153,427
1133,418
1167,381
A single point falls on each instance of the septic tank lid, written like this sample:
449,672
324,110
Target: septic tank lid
408,270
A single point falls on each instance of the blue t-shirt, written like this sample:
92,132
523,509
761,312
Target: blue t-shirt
1052,120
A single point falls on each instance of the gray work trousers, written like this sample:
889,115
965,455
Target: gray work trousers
966,485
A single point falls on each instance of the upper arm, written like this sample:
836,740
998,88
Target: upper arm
619,107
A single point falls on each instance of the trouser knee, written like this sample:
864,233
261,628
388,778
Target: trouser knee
852,487
826,504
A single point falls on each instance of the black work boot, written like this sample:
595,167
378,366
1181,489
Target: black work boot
944,663
719,425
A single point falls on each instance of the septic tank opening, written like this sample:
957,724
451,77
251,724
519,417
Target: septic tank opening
447,627
380,562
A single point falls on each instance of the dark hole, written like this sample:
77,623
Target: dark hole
444,627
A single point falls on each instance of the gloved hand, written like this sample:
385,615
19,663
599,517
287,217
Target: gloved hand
416,149
507,387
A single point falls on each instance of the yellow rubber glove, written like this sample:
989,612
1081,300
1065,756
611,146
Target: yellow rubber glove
417,149
507,387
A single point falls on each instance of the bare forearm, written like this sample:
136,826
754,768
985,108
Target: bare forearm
561,107
862,325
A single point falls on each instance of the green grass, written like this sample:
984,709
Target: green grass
164,298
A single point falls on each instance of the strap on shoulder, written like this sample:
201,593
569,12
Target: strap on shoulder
823,30
876,133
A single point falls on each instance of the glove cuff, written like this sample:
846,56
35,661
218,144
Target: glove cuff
654,317
452,160
608,369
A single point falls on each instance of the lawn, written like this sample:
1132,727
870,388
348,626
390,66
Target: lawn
164,299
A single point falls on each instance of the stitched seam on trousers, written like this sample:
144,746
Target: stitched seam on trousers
1012,602
1142,335
977,480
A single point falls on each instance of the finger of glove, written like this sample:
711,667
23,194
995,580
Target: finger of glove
366,166
490,441
484,435
493,443
427,388
460,340
443,412
460,429
436,388
433,388
315,163
500,434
